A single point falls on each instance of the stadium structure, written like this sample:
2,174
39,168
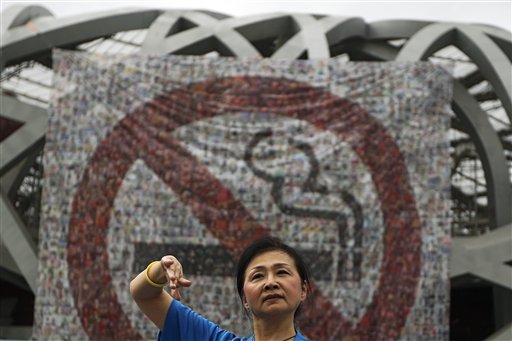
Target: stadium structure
480,135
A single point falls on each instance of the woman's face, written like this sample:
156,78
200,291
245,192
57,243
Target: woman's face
272,285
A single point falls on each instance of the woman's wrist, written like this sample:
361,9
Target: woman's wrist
155,275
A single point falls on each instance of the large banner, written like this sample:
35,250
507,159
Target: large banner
198,156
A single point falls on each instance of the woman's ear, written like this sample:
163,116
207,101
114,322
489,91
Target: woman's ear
246,304
304,292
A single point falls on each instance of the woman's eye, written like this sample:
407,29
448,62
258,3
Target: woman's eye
256,276
283,272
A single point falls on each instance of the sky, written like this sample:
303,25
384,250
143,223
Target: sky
496,13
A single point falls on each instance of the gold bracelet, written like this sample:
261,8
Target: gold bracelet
156,285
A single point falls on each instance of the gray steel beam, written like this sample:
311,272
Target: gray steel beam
28,137
490,59
6,260
264,26
236,34
394,29
43,34
9,272
428,41
484,256
157,41
317,35
501,37
11,177
492,62
159,30
312,33
339,29
17,241
15,16
491,154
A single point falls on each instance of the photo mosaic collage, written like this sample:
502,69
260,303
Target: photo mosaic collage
196,156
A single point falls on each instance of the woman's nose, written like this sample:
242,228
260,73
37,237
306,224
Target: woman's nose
271,283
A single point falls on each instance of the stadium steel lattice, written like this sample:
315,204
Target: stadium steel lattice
481,135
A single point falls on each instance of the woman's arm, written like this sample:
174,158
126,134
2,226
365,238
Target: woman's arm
152,300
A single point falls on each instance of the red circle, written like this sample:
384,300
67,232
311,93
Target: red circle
146,134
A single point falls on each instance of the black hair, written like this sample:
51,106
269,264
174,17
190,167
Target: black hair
265,244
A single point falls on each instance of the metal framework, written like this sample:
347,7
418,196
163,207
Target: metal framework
481,135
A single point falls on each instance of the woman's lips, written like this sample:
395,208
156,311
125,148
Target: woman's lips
272,297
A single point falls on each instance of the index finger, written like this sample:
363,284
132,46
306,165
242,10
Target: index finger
184,282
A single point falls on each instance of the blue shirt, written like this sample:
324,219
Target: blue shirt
184,324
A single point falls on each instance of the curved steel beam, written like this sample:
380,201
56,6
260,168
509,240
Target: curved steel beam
313,36
25,42
491,61
338,29
15,237
207,27
15,16
310,38
159,30
262,26
28,137
492,155
501,37
394,29
484,256
427,41
317,36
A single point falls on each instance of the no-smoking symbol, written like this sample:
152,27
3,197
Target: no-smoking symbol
146,134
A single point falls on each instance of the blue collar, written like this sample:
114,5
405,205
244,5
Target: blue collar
298,337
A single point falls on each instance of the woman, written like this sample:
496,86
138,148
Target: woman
272,282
